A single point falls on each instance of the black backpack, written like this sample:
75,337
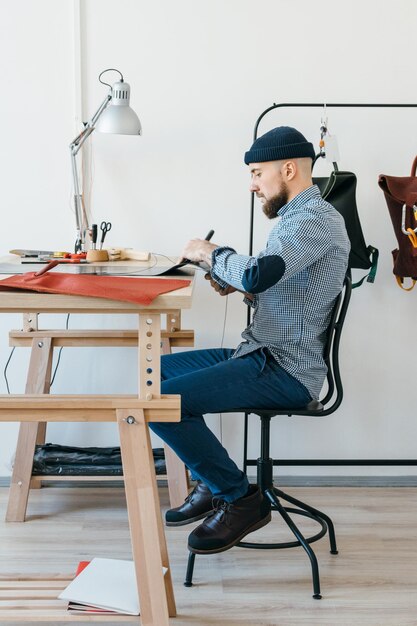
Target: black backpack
339,189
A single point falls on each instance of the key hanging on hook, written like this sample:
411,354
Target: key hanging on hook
323,131
328,142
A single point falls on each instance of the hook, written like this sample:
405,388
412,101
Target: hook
323,130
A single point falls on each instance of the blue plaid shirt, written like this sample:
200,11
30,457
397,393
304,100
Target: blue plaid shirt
295,281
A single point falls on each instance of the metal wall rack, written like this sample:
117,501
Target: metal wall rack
317,462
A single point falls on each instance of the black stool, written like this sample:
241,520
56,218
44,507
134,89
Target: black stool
265,464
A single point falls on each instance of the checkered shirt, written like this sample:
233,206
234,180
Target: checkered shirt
295,281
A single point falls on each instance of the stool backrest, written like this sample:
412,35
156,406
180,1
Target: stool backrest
331,348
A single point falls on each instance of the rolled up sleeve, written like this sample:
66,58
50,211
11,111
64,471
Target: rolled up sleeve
287,254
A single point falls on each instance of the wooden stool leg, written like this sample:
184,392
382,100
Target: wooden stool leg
38,381
155,590
178,484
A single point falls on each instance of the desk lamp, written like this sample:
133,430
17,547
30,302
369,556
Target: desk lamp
114,115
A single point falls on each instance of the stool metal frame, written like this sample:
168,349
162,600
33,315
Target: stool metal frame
326,406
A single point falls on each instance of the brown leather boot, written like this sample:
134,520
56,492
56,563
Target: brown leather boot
230,522
197,504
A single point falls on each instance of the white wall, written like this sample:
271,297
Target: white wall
200,74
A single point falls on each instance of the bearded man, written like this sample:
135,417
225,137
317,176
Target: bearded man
292,285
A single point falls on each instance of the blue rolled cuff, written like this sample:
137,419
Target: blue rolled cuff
267,272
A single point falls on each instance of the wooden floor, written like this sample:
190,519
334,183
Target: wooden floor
372,582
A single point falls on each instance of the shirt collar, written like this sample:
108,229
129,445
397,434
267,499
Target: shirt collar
302,198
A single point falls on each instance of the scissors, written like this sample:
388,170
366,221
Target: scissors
104,227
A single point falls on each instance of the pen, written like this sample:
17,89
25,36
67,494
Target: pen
209,235
94,235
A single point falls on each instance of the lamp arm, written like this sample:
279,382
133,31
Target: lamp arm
80,212
77,143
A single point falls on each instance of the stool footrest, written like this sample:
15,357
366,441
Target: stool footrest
289,544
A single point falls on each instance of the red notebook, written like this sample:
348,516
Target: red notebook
81,565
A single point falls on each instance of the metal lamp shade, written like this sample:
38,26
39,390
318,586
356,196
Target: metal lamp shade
119,117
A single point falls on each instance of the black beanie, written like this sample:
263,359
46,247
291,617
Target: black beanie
279,143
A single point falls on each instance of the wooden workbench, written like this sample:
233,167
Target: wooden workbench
132,413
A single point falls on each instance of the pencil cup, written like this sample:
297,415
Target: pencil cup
97,255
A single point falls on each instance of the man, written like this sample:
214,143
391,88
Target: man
292,286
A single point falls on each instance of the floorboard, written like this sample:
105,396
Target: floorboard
372,582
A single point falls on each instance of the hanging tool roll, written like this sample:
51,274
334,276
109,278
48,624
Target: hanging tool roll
401,196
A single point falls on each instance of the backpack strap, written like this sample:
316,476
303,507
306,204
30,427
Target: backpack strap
373,254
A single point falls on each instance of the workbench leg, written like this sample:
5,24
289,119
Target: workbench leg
177,474
40,440
38,381
149,549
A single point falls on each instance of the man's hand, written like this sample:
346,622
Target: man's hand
198,250
216,286
226,290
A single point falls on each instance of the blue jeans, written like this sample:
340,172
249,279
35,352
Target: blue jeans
209,381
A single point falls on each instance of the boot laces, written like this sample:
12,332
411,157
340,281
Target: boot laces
191,495
221,508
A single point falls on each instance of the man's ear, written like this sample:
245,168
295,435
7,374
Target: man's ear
289,170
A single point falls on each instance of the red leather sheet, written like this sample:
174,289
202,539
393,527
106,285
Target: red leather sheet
138,290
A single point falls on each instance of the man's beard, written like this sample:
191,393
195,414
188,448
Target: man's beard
273,205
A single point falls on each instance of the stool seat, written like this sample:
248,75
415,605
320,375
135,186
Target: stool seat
315,407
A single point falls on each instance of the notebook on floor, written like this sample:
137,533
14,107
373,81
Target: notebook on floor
108,584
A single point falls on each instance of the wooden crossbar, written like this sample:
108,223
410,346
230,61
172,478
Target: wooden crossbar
96,338
84,408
